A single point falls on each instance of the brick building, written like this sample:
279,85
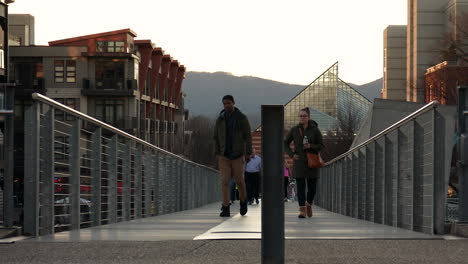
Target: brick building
442,80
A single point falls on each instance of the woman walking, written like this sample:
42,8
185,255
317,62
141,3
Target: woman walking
307,138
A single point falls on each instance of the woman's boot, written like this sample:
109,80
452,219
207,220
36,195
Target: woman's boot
309,209
302,212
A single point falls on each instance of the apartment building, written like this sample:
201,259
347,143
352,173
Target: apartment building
433,27
130,84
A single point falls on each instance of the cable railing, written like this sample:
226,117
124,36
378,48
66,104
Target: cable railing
398,177
84,173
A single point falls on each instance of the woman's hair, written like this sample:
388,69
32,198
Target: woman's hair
306,109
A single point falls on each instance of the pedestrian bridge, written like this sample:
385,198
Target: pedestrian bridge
95,182
204,224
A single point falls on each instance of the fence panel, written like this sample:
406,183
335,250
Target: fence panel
84,173
398,177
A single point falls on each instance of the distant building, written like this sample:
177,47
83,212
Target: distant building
442,80
329,99
130,84
432,26
394,68
127,83
21,30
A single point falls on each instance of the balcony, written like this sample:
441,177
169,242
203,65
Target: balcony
108,87
26,88
126,123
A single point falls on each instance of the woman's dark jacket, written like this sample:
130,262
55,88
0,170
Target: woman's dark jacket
240,141
314,136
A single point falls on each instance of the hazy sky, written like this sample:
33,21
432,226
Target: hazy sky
291,41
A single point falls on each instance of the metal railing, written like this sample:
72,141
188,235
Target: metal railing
398,177
87,173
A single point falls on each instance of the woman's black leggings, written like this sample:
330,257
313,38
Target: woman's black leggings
301,190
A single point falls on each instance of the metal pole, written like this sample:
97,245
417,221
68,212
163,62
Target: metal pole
9,166
463,131
272,184
74,160
96,156
47,190
32,171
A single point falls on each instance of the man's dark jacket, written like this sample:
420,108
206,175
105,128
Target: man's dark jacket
241,137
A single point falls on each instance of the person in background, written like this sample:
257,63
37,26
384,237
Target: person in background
286,175
233,190
233,144
252,177
307,137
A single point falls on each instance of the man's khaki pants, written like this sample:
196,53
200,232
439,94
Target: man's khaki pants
232,168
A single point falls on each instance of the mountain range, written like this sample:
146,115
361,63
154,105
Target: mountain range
204,92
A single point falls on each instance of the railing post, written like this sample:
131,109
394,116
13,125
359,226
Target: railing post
272,182
362,192
172,182
379,178
8,189
126,185
396,179
185,185
96,156
74,161
138,178
349,185
370,182
148,182
112,185
463,147
32,171
355,164
156,186
442,153
48,156
162,185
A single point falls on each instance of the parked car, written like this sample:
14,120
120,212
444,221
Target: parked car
63,211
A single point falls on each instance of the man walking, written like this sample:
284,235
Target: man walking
233,144
252,177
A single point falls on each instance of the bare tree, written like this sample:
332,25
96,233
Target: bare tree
199,140
340,140
454,42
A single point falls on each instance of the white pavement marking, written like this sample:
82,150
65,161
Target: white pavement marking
12,239
248,226
323,225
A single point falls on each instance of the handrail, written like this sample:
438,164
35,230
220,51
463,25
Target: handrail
397,124
49,101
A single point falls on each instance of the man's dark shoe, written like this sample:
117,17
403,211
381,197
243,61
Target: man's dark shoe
243,208
225,212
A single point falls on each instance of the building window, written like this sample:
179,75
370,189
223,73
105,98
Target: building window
110,74
71,71
110,46
70,102
65,71
109,111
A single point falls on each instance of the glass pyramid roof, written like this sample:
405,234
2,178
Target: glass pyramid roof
327,97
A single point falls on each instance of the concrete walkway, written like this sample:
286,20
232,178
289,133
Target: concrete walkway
203,223
325,238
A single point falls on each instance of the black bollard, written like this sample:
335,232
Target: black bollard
272,184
